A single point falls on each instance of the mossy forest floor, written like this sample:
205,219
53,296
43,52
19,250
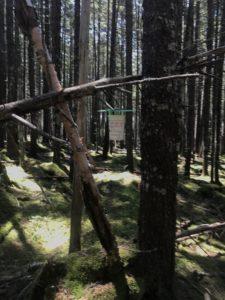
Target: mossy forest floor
35,226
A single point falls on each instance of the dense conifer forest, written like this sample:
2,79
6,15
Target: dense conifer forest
112,149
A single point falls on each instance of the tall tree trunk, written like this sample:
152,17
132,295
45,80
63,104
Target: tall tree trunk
77,201
190,50
112,73
214,93
97,47
138,68
56,56
76,63
108,37
218,86
12,132
157,214
199,87
76,40
129,115
47,122
3,68
207,90
34,115
64,48
198,133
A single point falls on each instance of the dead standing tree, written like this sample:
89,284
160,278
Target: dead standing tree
28,22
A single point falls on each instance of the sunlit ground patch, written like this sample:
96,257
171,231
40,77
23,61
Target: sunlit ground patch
49,234
21,179
124,178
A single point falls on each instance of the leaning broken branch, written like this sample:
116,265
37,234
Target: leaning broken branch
219,50
189,233
28,21
31,126
73,93
147,80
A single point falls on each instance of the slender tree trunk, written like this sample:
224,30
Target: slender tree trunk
3,68
12,132
112,73
64,48
77,201
97,47
214,97
34,116
137,102
108,37
218,86
47,122
129,115
199,87
56,56
188,45
207,90
76,63
198,134
76,40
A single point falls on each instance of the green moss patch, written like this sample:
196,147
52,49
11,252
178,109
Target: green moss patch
52,169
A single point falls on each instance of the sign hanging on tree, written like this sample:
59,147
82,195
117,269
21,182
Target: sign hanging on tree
116,127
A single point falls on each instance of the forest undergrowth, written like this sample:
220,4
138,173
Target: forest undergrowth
35,228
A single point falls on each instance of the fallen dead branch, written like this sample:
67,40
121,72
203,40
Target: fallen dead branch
31,126
217,51
189,233
73,93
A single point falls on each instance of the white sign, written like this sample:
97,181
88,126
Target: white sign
29,3
116,127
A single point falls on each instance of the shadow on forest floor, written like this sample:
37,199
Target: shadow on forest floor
35,226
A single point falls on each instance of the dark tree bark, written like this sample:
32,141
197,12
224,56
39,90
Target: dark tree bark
64,48
47,122
189,49
97,47
207,90
157,215
34,115
3,68
138,67
12,132
129,115
122,43
199,101
218,84
76,63
108,37
56,56
112,66
199,86
76,40
77,200
112,73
